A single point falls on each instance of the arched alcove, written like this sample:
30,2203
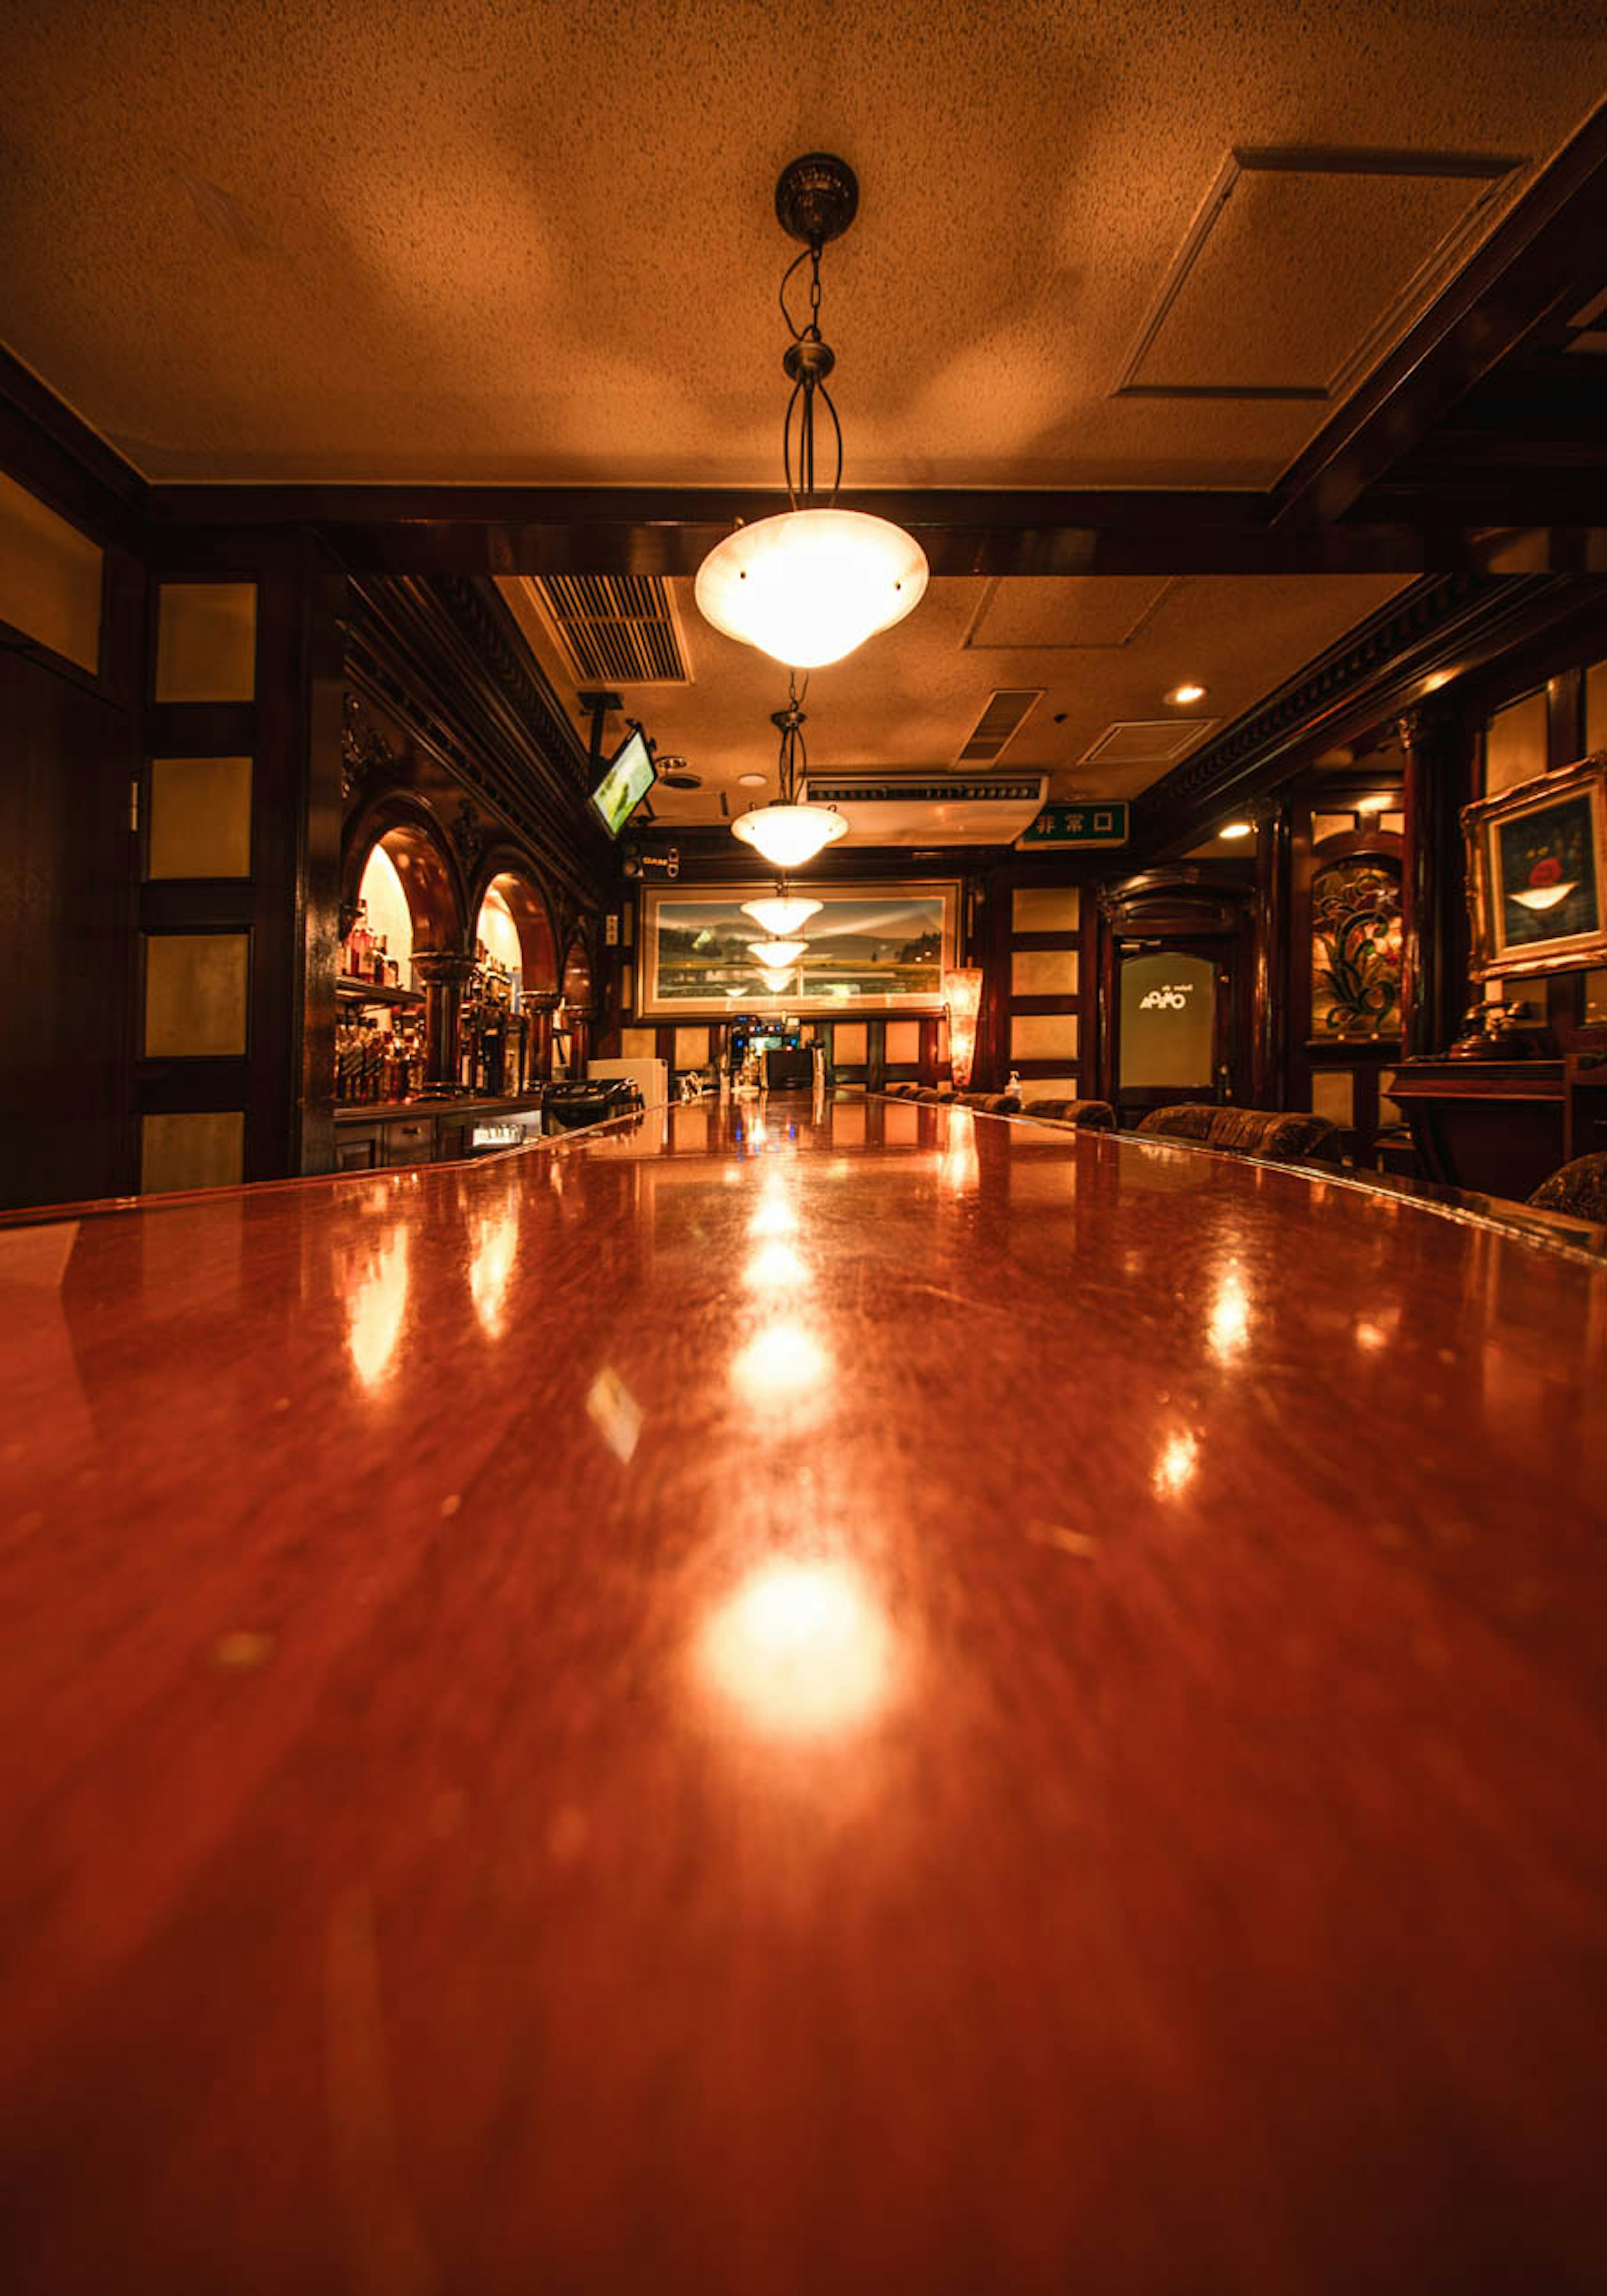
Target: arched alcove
579,990
417,855
518,917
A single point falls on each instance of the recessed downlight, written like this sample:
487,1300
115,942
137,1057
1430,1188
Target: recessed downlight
1237,829
1373,804
752,781
1182,696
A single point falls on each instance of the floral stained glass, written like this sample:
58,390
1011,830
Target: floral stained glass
1355,948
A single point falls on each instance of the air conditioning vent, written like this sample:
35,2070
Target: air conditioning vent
613,630
1006,713
930,809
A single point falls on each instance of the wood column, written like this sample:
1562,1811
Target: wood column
1433,954
444,972
1270,979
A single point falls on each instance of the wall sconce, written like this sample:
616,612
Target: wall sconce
962,997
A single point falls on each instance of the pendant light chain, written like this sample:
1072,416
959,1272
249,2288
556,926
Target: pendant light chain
794,762
808,359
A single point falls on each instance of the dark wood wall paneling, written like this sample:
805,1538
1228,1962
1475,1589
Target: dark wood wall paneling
69,763
288,904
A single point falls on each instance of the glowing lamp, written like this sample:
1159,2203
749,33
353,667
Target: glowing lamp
788,835
778,953
781,916
808,586
963,994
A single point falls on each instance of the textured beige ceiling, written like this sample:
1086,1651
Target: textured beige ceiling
910,697
380,239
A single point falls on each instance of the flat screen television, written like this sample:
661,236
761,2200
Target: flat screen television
630,774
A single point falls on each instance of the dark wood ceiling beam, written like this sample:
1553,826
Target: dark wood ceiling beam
1526,275
417,530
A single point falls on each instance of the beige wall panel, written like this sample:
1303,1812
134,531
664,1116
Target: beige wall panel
50,577
692,1048
192,1151
848,1042
1043,1036
1045,908
1596,707
1042,972
1514,744
195,996
903,1042
206,642
1331,824
638,1044
1395,823
627,987
200,817
1059,1087
1334,1095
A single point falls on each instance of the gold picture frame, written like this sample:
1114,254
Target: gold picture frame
882,922
1537,873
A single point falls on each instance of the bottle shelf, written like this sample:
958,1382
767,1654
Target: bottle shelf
371,992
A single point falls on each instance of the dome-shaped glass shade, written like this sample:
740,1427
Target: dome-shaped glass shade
788,835
808,586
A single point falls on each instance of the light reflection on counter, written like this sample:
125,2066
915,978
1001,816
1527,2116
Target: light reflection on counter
496,1250
781,1358
961,1169
376,1305
774,1217
1174,1468
800,1650
1229,1325
774,1266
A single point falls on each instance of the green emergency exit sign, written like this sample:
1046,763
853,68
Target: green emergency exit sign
1075,824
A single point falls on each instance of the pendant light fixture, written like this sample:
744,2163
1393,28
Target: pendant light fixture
813,583
781,916
786,831
777,952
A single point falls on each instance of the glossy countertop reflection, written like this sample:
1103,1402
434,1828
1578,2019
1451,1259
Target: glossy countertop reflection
843,1696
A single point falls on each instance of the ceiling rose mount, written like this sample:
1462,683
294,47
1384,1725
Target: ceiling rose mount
812,583
817,198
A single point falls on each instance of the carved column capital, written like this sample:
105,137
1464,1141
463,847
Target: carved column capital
443,968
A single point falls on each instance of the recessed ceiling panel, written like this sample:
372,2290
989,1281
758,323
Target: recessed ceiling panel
1299,265
1147,740
1071,611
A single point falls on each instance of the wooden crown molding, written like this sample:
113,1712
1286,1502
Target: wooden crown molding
1390,666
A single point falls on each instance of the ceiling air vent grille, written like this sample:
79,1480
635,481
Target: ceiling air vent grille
1006,713
909,789
614,629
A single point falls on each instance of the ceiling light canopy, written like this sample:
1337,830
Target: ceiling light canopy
812,583
786,833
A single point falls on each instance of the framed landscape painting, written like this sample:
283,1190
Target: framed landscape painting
1538,874
867,949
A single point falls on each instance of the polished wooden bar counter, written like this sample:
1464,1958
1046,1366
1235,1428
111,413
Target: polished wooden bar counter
796,1700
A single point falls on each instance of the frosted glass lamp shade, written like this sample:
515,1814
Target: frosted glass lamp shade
963,994
788,835
781,916
781,952
808,586
775,981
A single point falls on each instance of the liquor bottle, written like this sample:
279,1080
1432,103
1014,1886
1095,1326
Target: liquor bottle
359,945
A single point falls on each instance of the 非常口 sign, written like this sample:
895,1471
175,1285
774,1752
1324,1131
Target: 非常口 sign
1075,824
